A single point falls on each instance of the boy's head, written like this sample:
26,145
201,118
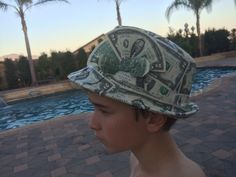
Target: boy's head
142,69
121,127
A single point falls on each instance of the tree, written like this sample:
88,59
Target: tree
11,73
63,63
43,67
118,3
184,39
1,83
216,41
196,6
20,7
186,30
233,39
68,63
23,71
81,58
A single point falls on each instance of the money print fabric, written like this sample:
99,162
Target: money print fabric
142,69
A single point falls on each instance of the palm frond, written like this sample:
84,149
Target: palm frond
119,1
176,5
207,4
40,2
3,5
46,1
21,3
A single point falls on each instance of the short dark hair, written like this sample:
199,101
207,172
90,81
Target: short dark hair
170,121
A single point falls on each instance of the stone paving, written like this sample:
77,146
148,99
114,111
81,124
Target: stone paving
61,147
65,147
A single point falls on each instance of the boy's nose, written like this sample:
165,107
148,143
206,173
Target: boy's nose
94,122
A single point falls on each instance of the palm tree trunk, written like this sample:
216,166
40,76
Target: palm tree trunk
199,33
118,13
31,64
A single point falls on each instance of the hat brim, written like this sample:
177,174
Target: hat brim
91,79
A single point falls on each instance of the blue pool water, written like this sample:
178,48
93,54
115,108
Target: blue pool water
43,108
73,102
205,76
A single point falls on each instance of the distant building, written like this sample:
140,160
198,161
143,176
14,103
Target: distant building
91,45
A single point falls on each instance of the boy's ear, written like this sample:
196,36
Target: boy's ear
155,122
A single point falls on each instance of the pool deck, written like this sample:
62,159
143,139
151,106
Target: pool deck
227,62
65,147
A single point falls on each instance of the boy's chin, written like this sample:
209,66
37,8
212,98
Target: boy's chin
113,151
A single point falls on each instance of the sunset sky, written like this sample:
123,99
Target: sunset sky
61,27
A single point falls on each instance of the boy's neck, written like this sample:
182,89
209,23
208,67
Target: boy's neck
158,154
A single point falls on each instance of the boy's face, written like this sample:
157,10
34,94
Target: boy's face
115,126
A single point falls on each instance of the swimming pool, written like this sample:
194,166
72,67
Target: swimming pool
74,102
205,76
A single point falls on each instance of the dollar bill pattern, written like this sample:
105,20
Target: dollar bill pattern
147,72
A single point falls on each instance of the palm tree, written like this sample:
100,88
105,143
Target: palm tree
20,7
118,3
196,6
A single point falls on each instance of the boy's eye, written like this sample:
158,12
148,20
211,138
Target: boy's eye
103,111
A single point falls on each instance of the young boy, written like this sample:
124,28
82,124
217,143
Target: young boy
139,84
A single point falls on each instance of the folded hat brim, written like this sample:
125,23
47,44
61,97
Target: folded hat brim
94,81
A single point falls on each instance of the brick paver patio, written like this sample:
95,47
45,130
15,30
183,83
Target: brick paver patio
65,147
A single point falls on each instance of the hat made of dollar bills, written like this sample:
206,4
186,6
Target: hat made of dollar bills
142,69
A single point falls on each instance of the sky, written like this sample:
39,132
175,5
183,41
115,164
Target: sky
61,26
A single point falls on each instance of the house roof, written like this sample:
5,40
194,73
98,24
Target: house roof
87,44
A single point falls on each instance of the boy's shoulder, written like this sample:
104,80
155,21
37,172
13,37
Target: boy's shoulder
133,165
190,168
186,169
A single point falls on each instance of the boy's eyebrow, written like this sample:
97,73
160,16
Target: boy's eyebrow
97,104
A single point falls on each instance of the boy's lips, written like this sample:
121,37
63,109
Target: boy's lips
97,136
100,139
